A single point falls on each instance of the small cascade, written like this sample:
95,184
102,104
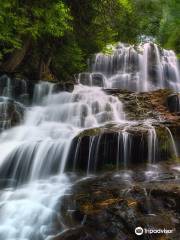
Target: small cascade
41,90
127,144
13,88
136,68
152,145
7,89
5,121
79,130
144,63
11,113
49,129
173,144
171,69
124,148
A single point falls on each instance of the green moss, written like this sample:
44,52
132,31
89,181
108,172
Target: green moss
163,138
91,132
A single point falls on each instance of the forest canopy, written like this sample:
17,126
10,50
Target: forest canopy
51,39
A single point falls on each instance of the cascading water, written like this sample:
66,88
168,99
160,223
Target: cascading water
142,68
40,148
41,90
45,137
28,212
152,144
34,154
173,144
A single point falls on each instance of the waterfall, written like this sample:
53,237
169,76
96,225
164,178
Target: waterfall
29,212
152,144
48,130
174,149
41,90
5,122
40,148
145,67
35,152
7,88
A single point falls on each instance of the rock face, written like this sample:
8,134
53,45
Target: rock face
67,86
173,103
11,113
91,79
111,206
16,88
116,146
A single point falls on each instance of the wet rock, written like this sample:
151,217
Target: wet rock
147,105
79,233
173,103
11,113
92,150
98,79
169,195
91,79
109,207
63,86
17,88
84,78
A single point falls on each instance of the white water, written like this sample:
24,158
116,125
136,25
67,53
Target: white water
144,65
142,68
9,109
7,90
29,212
152,144
39,148
41,90
174,148
5,122
45,137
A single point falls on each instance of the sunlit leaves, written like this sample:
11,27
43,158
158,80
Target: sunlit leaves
169,34
34,18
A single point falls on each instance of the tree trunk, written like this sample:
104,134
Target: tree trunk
44,70
16,58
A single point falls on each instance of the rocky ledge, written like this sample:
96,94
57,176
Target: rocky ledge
161,104
112,205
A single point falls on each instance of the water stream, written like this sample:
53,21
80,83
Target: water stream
34,153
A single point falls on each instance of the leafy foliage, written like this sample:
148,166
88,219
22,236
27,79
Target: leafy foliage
169,34
68,59
34,18
67,32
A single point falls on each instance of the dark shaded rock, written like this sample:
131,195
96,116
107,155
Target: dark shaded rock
173,103
98,79
79,233
92,150
91,79
11,113
169,195
110,207
63,86
17,88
